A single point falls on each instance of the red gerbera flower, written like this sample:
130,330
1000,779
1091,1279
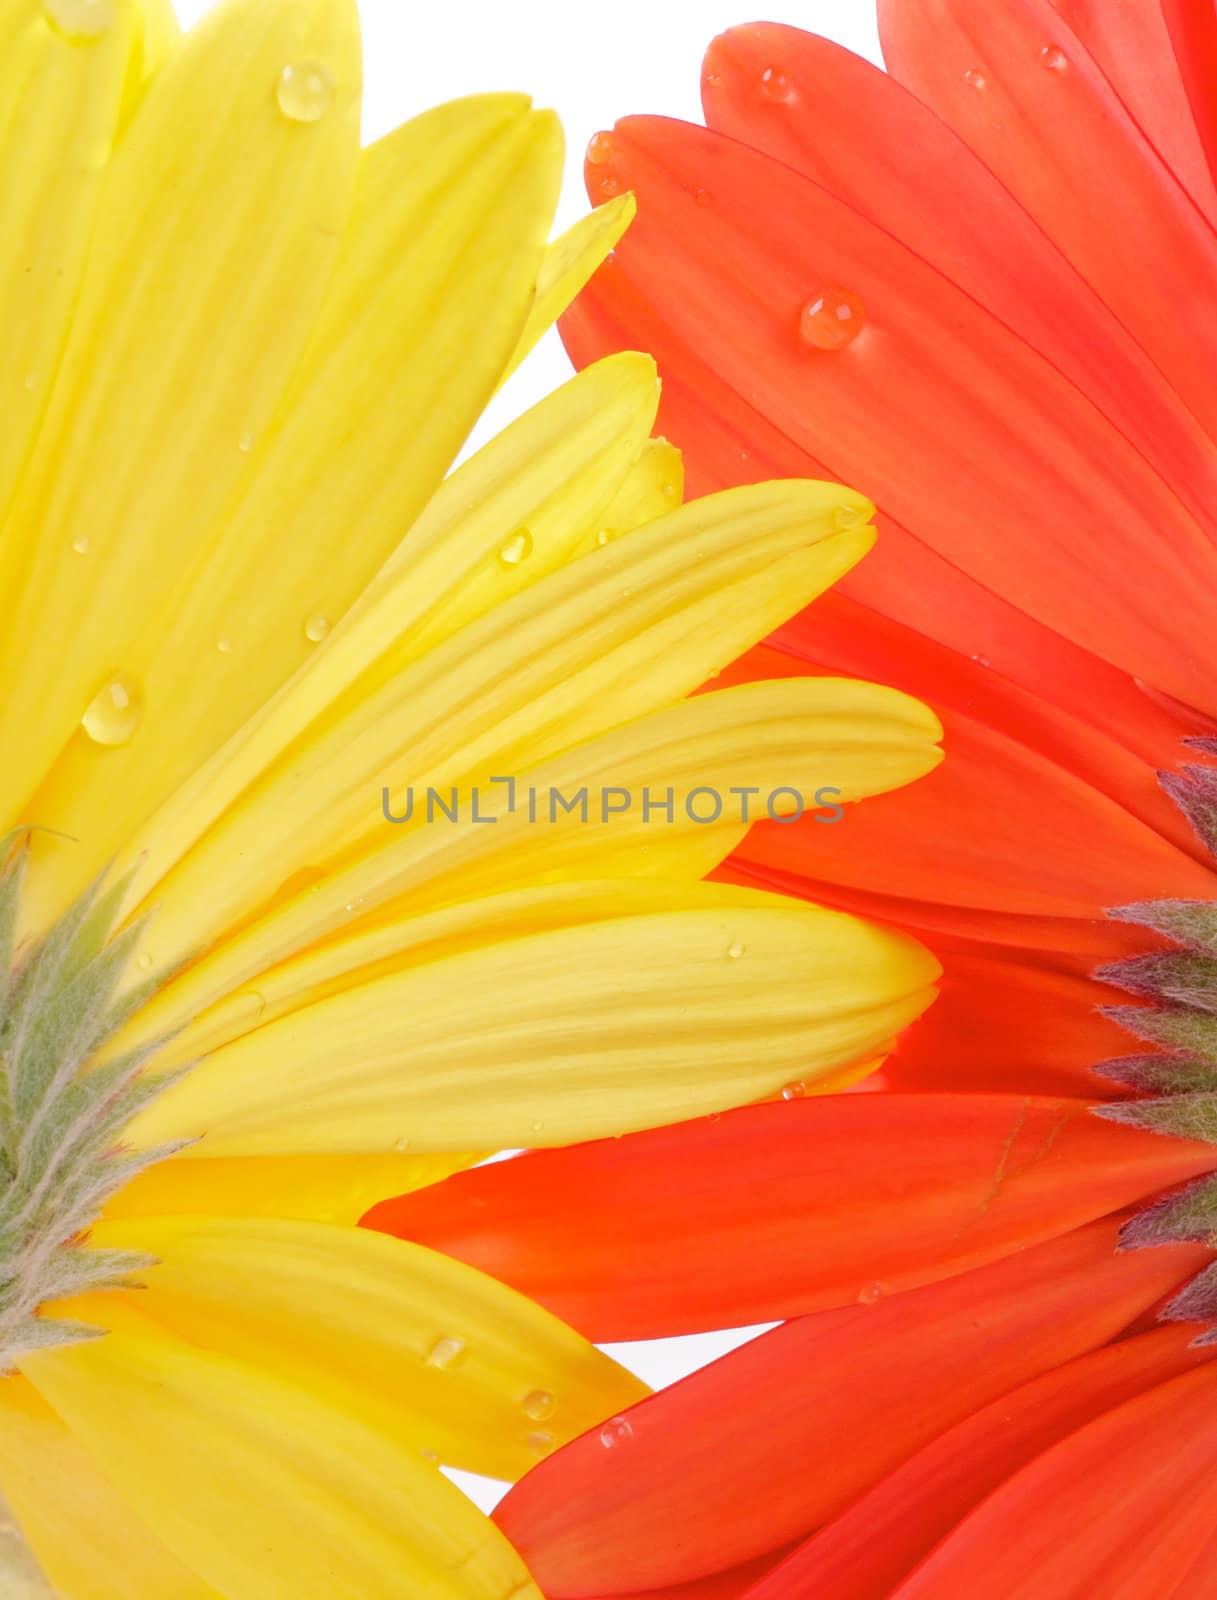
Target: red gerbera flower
983,288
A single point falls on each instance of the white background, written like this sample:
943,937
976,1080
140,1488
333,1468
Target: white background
592,62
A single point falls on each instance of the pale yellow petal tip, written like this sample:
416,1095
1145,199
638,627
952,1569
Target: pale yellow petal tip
633,366
549,133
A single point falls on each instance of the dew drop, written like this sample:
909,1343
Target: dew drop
539,1405
736,950
430,1455
446,1352
305,91
540,1443
616,1432
775,85
832,320
703,197
114,713
81,19
145,962
608,186
245,443
603,535
794,1091
1054,58
30,383
713,79
516,549
869,1294
243,1008
81,545
845,517
600,149
974,78
401,1145
316,628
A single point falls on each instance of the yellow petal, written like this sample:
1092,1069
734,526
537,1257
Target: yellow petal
217,230
654,486
394,941
470,1370
854,738
60,105
592,645
552,471
263,1488
568,265
310,1188
88,1540
559,1036
394,377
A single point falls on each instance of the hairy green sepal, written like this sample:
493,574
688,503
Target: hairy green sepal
62,1115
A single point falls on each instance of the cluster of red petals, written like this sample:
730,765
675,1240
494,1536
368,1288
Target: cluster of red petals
969,1393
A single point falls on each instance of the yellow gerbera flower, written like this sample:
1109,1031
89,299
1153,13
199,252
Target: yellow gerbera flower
249,625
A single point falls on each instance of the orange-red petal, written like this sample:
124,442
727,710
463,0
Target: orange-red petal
1122,1508
1027,480
882,1537
1133,45
908,172
1018,85
809,1416
782,1209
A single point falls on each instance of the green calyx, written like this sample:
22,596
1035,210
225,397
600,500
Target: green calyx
61,1113
1176,1083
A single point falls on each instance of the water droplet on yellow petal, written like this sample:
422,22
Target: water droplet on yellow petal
81,545
145,962
794,1091
974,78
540,1443
845,517
81,19
539,1405
832,320
430,1455
1054,58
600,149
114,713
516,549
245,443
736,950
316,628
616,1431
446,1352
223,646
775,85
305,92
